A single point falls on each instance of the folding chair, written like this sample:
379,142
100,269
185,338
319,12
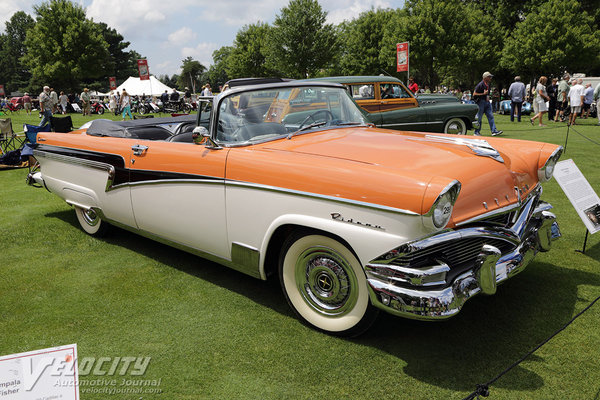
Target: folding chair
61,124
8,138
31,132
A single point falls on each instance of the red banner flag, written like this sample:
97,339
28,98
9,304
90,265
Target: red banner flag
143,69
402,57
2,90
112,82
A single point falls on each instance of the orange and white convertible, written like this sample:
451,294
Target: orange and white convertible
294,185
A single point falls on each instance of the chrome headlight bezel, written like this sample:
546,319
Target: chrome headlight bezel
440,212
545,173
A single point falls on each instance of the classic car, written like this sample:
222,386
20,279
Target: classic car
295,185
389,104
505,108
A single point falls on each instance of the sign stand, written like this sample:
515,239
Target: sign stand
584,242
566,139
581,195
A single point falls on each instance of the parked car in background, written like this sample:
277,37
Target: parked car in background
288,181
505,108
391,105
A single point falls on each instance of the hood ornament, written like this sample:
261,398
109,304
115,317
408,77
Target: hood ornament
478,146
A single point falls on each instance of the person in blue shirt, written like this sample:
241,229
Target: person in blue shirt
481,95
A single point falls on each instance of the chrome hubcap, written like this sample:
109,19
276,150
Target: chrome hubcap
90,217
455,128
326,281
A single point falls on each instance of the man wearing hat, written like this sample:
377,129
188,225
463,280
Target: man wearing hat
481,95
45,106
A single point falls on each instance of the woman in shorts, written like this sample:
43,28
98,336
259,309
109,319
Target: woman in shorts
541,97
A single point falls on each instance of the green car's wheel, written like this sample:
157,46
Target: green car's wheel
325,284
455,126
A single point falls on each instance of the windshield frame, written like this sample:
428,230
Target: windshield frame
219,100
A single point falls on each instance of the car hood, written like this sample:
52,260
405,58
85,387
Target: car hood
423,164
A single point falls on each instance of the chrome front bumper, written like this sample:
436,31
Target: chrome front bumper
430,292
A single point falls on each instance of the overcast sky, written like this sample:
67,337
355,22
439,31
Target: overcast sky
167,31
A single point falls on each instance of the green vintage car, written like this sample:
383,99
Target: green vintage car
389,104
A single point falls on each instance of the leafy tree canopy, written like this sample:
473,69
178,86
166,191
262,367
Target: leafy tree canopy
65,48
555,37
191,72
248,55
300,42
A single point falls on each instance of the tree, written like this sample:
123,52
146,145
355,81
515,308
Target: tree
362,41
217,73
12,71
64,47
556,36
123,64
443,51
300,43
191,71
248,56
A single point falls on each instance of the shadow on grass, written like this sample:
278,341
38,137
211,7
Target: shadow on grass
267,294
487,336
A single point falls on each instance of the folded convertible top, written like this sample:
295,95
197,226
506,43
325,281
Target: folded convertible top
106,127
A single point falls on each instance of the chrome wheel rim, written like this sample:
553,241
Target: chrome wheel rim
326,281
455,128
90,217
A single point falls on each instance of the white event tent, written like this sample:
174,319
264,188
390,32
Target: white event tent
138,87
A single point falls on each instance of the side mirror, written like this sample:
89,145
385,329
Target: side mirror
200,135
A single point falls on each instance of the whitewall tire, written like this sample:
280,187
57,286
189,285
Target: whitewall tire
325,284
455,126
91,222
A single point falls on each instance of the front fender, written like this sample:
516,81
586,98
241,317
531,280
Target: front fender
366,242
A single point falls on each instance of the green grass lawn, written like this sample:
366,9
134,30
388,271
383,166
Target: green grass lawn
213,333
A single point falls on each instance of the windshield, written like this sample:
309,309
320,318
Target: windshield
271,113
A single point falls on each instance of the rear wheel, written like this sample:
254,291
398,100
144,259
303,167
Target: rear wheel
455,126
100,110
91,222
325,285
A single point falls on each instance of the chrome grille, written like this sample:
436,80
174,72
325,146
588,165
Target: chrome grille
454,253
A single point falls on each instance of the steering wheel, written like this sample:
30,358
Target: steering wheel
328,117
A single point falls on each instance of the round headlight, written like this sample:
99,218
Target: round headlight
545,173
442,211
550,169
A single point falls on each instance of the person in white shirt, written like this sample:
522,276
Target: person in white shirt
112,104
63,99
576,99
207,91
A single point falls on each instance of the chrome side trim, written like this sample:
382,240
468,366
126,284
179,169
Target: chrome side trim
412,123
111,173
247,258
172,181
319,196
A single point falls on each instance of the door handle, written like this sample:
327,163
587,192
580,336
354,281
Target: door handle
138,149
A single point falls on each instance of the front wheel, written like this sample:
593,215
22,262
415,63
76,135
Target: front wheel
325,285
455,126
91,222
100,110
